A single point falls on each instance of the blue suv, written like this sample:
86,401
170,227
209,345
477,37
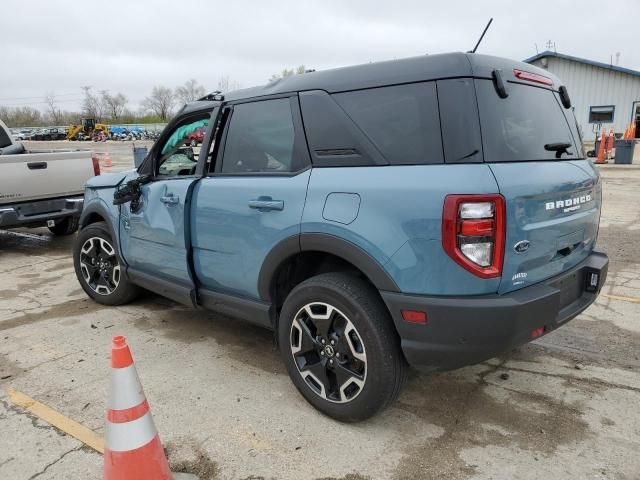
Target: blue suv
432,211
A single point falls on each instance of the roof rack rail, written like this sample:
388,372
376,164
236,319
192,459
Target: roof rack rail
213,96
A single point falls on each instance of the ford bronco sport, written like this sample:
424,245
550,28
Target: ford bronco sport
433,211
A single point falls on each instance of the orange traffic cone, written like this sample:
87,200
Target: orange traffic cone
601,148
107,159
132,445
610,145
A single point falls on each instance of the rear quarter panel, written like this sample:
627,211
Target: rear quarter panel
398,220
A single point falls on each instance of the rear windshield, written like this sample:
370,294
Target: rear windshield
528,125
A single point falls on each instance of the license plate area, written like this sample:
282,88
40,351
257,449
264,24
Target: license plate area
571,287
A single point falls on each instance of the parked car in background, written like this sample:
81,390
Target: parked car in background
27,134
48,134
39,134
194,139
435,211
42,188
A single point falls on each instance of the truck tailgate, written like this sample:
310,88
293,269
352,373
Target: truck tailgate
553,211
44,174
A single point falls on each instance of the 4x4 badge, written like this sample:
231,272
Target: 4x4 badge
522,246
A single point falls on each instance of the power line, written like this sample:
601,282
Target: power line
17,104
37,96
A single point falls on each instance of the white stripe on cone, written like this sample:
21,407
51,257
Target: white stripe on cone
126,390
123,437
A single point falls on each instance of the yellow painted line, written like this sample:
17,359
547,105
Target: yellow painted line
49,415
620,297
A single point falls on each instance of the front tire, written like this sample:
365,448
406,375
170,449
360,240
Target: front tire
340,347
66,227
98,267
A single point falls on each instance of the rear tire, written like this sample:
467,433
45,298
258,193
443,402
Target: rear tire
98,267
66,227
340,347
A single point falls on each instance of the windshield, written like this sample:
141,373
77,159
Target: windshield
527,125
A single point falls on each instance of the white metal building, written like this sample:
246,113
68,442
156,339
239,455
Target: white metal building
600,93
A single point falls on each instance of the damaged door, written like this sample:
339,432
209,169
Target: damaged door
153,228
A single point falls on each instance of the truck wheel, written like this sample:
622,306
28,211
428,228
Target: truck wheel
340,346
66,227
98,267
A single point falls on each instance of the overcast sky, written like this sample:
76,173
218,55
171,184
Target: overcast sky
130,46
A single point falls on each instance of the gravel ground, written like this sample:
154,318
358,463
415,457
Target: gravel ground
565,406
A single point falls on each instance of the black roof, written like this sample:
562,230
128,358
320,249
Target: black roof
378,74
391,72
197,106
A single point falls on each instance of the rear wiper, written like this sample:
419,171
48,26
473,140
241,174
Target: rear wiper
559,148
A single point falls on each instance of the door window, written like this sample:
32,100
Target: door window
179,154
261,138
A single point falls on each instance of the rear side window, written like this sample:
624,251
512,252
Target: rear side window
459,119
518,128
260,139
401,121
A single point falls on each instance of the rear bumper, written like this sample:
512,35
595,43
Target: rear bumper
38,212
466,330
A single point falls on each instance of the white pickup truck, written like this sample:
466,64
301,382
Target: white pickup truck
42,187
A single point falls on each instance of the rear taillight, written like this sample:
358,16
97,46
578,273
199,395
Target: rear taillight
96,165
473,229
532,77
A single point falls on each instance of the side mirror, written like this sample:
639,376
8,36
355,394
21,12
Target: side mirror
130,191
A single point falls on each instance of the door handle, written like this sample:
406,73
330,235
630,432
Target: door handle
170,199
266,203
37,165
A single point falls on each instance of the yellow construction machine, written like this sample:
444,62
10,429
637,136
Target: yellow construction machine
86,129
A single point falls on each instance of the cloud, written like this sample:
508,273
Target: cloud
130,46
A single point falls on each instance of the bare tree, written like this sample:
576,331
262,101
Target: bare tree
190,91
160,102
55,114
226,84
299,70
114,105
21,116
91,107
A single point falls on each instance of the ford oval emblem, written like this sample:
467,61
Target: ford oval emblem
522,246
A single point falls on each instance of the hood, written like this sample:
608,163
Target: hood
109,179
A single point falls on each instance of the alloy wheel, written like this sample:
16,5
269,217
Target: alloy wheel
99,265
328,352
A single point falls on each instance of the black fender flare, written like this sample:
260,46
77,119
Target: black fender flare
99,208
327,243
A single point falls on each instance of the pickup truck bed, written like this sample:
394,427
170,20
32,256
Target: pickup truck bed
42,187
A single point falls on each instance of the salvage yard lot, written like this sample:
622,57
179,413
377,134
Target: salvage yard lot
566,406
